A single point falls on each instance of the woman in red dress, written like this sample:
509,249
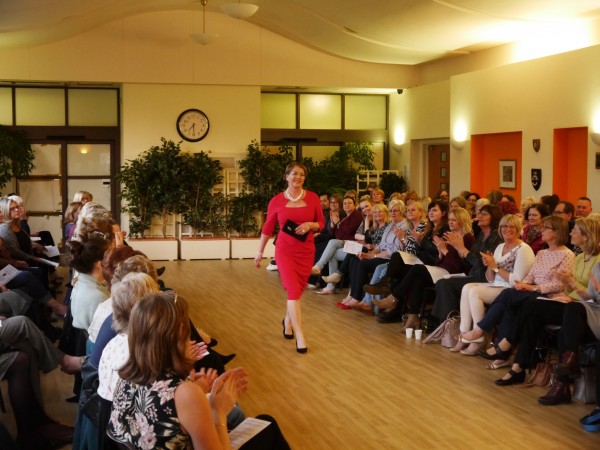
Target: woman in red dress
294,249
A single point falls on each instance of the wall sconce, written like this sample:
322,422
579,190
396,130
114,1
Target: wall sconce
595,138
457,145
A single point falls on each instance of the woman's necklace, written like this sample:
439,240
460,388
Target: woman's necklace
293,199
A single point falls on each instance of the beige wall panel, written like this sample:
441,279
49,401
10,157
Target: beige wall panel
536,97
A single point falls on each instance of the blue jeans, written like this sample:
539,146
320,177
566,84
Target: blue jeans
377,276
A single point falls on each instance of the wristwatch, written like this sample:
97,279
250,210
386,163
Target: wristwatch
495,269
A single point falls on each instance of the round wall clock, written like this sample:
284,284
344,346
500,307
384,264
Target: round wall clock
192,125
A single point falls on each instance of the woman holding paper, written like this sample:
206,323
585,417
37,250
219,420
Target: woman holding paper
510,262
17,240
160,402
299,214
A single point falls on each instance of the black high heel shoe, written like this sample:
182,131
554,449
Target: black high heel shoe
287,336
301,350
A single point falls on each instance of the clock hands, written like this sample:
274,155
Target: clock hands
192,128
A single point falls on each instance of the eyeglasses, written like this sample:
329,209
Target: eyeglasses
483,213
510,227
15,208
549,228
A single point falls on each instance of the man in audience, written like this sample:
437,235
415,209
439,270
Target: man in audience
324,198
584,207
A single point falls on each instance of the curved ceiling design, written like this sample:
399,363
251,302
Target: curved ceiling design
382,31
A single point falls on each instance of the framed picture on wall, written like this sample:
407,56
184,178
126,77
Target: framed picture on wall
508,174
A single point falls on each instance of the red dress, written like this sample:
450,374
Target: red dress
294,258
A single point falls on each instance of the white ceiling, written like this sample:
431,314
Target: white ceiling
384,31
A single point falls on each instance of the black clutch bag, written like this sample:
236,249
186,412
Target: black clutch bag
289,227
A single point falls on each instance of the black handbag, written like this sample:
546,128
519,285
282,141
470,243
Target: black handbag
89,400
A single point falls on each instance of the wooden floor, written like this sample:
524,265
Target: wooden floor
362,385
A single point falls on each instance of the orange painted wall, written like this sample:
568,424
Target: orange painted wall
569,180
486,152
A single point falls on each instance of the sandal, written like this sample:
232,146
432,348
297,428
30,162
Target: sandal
500,354
326,291
497,364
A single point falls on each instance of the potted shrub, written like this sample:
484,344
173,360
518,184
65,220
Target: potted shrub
16,155
390,183
152,188
206,213
338,172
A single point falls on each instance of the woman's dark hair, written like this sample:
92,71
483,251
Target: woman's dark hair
444,208
550,201
495,214
83,255
477,196
539,207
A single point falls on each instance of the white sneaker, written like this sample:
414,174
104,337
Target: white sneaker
311,286
272,266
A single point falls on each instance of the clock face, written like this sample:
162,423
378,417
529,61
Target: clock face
192,125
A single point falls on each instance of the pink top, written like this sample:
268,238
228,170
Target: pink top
544,265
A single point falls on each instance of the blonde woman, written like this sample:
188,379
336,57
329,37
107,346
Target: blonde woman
510,262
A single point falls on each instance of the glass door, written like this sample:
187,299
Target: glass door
61,169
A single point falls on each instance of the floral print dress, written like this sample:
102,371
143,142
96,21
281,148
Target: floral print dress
145,417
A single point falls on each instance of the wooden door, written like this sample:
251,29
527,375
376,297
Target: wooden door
438,157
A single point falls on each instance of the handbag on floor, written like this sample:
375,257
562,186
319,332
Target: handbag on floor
584,388
542,375
446,334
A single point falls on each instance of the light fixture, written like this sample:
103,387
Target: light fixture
239,10
457,145
204,37
595,138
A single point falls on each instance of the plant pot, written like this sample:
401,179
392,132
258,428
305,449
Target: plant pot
157,249
243,248
204,248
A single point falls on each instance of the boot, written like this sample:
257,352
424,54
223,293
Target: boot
382,287
568,366
387,303
560,392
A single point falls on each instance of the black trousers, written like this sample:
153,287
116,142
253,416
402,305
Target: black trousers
413,285
532,317
447,295
575,330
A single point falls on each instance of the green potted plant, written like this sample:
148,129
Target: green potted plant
338,172
390,183
16,155
152,188
206,212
